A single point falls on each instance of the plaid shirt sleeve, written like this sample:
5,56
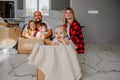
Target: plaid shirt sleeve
77,37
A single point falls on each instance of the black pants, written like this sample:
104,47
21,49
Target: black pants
16,45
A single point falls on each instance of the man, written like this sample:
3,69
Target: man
37,16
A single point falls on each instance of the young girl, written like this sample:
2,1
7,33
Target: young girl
60,34
41,30
31,30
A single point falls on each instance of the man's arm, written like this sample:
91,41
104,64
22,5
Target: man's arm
49,33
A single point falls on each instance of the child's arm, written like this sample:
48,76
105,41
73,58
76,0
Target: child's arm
63,41
49,33
49,42
29,36
23,33
26,35
42,36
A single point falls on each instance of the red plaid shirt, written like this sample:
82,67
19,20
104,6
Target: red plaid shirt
76,36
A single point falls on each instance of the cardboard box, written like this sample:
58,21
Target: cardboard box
25,46
9,36
12,33
40,75
13,24
3,24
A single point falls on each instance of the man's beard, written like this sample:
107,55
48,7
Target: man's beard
38,21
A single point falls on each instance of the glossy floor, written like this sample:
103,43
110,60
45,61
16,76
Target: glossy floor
99,62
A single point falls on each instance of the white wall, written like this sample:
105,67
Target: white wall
103,27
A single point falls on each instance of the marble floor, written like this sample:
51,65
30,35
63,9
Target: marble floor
99,62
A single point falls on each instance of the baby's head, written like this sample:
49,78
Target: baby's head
42,27
60,32
32,25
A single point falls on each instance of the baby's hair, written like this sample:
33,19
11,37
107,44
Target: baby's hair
61,26
43,24
30,22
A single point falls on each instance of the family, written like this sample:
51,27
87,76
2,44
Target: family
58,62
69,30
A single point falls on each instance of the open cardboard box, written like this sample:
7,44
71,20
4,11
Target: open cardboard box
40,75
25,46
3,24
9,35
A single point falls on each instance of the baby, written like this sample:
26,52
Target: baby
31,30
60,34
41,30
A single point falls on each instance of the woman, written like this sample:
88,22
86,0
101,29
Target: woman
74,30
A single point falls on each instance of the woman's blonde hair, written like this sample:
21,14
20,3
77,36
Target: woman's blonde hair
73,15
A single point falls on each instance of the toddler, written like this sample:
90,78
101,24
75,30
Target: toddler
60,34
41,30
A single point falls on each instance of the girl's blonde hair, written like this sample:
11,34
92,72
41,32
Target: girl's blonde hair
73,15
30,22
